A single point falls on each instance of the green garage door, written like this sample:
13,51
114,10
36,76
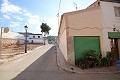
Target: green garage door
82,43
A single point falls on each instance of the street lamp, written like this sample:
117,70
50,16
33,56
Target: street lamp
26,38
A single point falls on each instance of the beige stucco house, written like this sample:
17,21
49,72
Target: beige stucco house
96,27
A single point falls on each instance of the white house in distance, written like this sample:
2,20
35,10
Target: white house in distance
34,38
12,37
20,37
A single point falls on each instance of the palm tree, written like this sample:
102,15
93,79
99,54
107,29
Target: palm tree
45,29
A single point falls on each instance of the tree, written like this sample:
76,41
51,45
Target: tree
45,29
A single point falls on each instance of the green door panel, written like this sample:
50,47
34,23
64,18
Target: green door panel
82,43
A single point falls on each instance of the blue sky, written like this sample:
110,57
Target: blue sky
15,14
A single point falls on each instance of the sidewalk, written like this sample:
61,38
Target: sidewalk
71,68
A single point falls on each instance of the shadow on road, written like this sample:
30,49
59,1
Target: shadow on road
42,68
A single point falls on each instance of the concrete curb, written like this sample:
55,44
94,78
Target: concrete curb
62,63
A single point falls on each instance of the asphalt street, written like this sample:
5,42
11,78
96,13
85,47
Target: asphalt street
41,64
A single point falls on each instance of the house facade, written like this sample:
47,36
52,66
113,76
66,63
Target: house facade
12,37
96,27
34,38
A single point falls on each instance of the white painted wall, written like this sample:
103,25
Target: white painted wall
30,38
36,36
35,39
20,38
109,19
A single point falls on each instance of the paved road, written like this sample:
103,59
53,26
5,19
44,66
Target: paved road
39,66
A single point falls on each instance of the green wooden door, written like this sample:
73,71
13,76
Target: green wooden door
82,43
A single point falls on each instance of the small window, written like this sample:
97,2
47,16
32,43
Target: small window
33,36
114,45
117,11
27,41
38,36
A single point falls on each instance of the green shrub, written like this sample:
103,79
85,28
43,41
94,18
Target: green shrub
91,59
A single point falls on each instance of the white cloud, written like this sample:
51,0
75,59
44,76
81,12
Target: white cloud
15,24
34,23
18,18
5,1
6,16
10,11
34,20
1,19
26,13
53,23
7,7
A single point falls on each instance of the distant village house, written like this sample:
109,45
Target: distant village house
34,38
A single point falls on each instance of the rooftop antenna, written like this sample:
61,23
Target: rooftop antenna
75,5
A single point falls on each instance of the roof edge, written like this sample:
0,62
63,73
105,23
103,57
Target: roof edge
115,1
83,10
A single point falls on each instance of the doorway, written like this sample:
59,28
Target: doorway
114,46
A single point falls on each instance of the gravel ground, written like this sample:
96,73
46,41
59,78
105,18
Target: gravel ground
14,51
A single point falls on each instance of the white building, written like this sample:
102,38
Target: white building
20,36
10,35
34,38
